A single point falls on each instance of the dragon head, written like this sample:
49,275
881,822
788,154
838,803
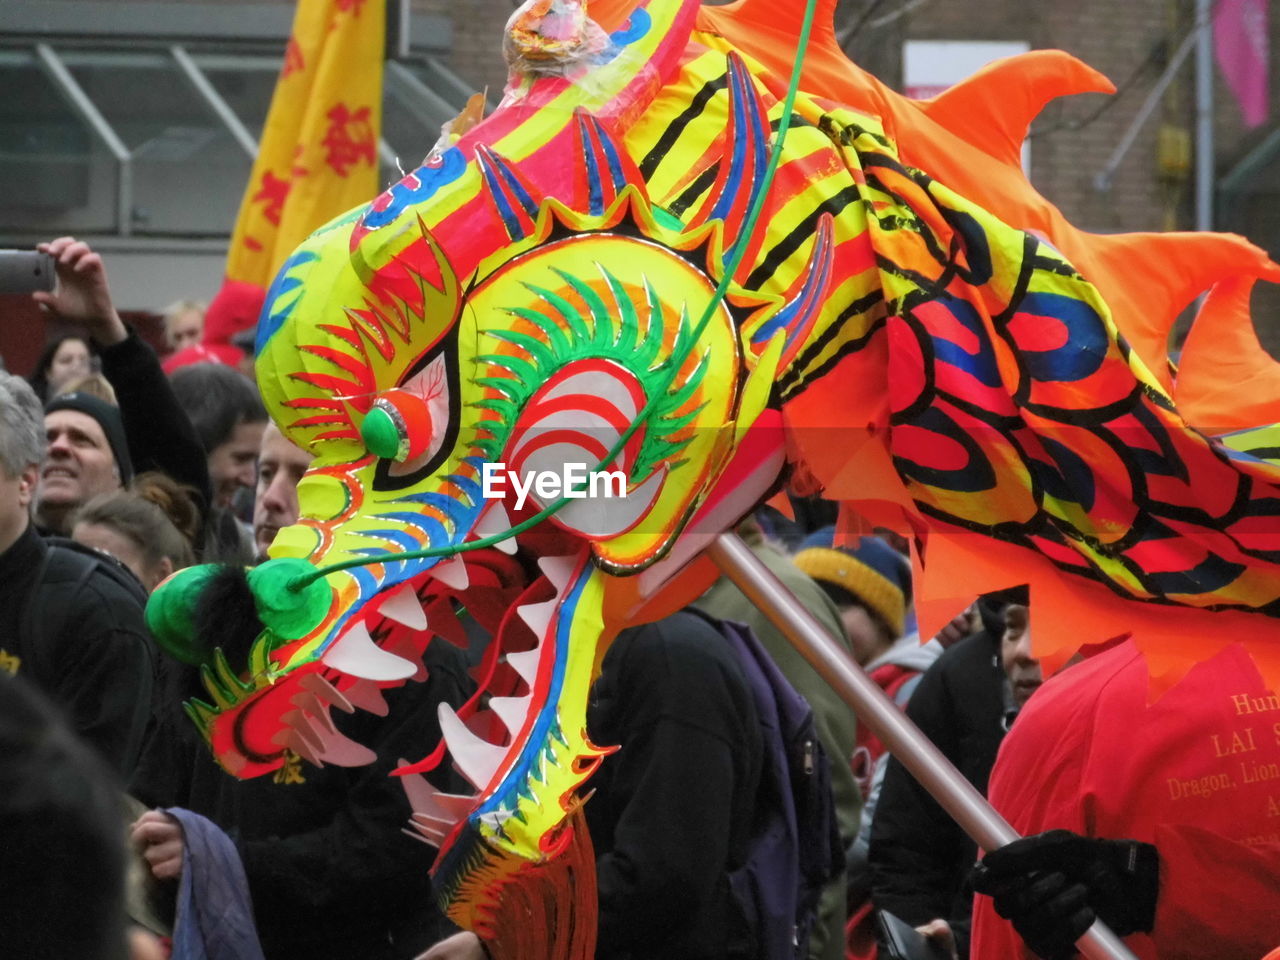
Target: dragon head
513,347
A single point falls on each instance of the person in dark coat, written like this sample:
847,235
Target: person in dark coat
67,624
62,873
671,810
331,875
919,857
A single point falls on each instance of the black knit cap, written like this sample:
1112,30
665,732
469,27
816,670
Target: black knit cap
108,418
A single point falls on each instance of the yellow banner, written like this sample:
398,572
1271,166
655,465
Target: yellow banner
319,150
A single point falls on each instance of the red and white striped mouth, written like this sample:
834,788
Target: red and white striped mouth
383,647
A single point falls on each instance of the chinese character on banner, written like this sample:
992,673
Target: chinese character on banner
349,139
272,193
293,59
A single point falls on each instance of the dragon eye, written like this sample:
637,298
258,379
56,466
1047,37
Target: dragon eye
398,426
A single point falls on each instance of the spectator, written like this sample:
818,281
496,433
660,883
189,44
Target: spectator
183,324
62,874
70,624
95,384
281,466
87,456
159,436
149,527
835,722
1187,779
229,419
65,359
330,874
919,857
671,811
870,585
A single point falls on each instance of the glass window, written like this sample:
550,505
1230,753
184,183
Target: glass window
247,87
55,174
188,171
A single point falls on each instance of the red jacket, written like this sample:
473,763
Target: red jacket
1197,773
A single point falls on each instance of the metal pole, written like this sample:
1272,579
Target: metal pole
1204,116
913,749
1102,181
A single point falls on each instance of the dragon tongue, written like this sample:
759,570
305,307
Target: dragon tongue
476,759
357,655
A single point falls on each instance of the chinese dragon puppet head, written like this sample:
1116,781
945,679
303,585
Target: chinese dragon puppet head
577,280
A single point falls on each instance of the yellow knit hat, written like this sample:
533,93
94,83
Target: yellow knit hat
876,579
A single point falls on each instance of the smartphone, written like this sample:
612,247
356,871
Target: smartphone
26,271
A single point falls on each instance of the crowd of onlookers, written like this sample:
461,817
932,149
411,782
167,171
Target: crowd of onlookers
118,468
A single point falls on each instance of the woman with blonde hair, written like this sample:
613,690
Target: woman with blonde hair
183,324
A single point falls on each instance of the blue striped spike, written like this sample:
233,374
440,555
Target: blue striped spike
607,169
798,315
742,171
513,198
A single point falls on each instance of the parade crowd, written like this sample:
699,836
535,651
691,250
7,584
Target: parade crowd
120,836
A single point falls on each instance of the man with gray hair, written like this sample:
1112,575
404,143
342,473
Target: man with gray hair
70,619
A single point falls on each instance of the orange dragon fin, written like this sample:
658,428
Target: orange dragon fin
993,109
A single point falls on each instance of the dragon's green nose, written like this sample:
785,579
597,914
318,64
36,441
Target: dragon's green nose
292,598
291,601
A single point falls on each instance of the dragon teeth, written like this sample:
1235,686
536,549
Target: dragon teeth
295,742
425,797
402,606
342,751
476,759
309,703
366,695
525,664
492,522
559,570
512,711
432,829
301,726
356,654
452,572
327,692
538,616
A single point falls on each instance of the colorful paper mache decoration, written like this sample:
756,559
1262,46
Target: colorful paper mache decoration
909,324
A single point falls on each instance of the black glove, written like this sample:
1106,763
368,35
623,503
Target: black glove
1049,912
1121,878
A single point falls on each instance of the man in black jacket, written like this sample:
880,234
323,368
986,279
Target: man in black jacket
919,857
68,624
670,812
